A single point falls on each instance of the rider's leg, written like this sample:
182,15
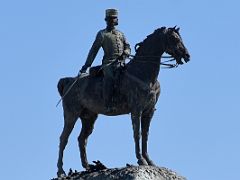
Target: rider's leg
108,86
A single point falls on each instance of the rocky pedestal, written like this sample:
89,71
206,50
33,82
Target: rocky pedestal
126,173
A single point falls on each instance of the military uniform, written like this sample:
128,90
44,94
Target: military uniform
115,47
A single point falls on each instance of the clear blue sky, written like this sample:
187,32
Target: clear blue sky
195,130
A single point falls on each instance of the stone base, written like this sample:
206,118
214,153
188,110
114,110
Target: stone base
126,173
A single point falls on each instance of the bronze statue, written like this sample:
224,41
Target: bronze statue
116,50
139,92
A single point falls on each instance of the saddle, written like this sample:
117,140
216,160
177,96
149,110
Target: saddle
96,71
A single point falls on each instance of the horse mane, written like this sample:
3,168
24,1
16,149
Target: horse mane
139,47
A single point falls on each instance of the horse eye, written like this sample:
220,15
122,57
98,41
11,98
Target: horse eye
174,39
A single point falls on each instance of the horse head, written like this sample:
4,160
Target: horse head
164,40
174,45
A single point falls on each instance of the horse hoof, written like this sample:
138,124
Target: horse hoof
151,163
61,173
142,162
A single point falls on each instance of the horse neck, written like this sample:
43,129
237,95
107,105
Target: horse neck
145,66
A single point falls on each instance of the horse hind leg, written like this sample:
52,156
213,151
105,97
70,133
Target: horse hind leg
69,122
88,120
145,124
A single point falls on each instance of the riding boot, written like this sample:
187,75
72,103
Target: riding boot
108,93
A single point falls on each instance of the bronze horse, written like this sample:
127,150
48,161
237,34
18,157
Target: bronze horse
139,90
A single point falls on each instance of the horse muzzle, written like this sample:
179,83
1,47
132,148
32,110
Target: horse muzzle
186,57
183,58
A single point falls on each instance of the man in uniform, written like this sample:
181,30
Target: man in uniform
116,49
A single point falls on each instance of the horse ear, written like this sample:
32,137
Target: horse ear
178,29
174,27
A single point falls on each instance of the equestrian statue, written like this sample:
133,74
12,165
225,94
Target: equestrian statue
134,88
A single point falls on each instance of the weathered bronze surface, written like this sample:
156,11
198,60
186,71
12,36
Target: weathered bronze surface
138,93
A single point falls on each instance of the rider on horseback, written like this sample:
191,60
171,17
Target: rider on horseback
116,50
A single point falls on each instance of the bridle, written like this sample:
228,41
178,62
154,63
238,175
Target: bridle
164,63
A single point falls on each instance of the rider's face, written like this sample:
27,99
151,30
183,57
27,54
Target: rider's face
112,21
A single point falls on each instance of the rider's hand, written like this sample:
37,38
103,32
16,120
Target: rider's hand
84,69
123,56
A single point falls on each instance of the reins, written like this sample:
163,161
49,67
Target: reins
164,63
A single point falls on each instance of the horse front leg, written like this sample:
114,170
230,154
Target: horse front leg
136,133
87,128
69,122
145,124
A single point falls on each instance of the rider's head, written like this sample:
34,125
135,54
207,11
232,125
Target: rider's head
111,17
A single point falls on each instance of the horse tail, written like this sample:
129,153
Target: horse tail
62,83
60,86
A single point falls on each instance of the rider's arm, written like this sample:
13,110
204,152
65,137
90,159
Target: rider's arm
93,51
127,49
